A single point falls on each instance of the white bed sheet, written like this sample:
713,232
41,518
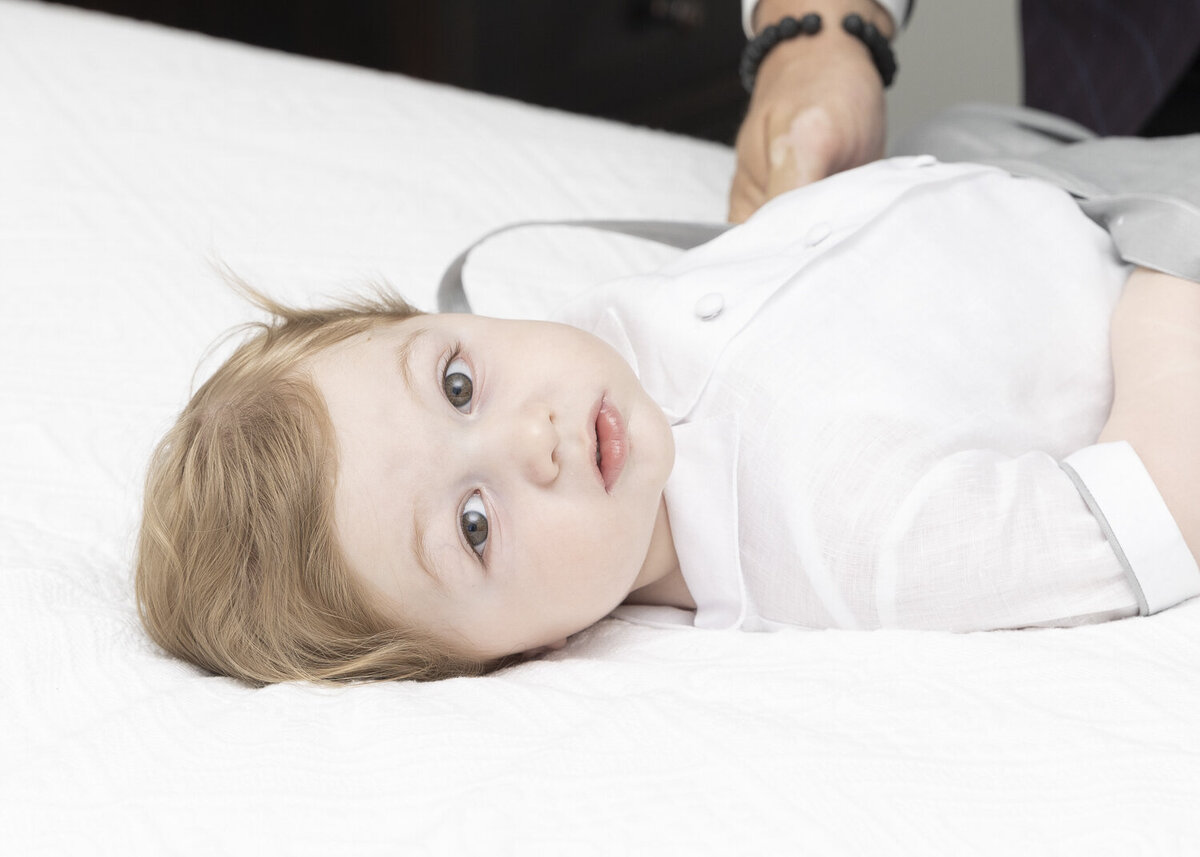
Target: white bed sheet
129,156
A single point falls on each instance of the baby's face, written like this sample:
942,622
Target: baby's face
469,495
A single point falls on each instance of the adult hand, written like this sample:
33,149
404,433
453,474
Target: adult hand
817,108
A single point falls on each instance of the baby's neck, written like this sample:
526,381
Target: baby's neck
661,581
671,591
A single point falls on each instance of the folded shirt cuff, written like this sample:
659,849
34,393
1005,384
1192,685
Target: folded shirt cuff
1137,523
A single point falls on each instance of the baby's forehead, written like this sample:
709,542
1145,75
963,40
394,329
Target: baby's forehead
361,343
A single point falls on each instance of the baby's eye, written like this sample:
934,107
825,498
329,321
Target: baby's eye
457,384
473,521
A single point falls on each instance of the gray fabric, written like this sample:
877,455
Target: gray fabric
1145,192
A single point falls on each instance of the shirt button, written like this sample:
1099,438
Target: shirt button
710,306
818,233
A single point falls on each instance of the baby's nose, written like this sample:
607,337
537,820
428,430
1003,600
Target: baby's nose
533,444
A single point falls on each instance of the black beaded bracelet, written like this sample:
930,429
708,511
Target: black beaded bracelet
877,46
761,45
867,33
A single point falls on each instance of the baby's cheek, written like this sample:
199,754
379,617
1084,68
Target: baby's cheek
613,532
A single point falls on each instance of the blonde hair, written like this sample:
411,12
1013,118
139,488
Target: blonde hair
238,566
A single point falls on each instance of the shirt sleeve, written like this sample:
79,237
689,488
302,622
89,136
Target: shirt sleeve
987,541
1137,524
898,9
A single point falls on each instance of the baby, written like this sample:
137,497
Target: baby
886,401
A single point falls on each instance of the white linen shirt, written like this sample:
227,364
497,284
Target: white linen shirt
872,384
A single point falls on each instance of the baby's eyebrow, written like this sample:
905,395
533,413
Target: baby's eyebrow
404,351
420,547
421,551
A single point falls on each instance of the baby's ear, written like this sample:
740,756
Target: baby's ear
547,649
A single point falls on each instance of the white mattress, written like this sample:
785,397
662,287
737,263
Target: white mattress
129,157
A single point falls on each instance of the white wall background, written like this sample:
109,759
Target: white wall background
955,50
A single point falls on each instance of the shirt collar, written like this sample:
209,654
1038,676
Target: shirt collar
701,497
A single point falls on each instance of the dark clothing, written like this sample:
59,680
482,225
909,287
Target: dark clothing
1119,67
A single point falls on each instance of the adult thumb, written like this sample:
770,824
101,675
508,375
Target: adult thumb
801,154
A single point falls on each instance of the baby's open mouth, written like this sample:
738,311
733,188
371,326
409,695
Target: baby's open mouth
599,456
